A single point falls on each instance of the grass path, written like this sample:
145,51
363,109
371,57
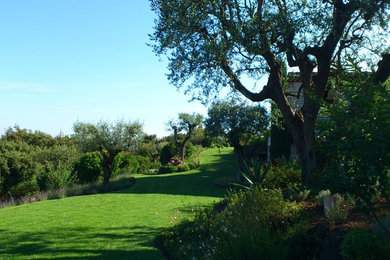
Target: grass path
118,225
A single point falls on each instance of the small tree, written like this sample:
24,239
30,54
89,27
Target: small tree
109,140
186,123
238,123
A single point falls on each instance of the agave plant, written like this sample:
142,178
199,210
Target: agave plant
254,174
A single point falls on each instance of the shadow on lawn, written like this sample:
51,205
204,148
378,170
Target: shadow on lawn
83,243
198,183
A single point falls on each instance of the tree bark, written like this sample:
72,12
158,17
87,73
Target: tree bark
107,161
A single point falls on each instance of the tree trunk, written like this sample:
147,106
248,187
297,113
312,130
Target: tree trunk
182,147
107,166
106,174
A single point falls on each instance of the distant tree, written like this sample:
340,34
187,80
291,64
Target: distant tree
109,140
35,138
183,129
217,43
238,123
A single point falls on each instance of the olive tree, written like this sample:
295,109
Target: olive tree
238,123
215,43
109,140
183,129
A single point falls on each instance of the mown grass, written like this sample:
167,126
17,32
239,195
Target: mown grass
118,225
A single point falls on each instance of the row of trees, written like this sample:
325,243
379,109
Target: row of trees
33,161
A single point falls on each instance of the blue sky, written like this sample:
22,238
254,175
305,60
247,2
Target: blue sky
68,60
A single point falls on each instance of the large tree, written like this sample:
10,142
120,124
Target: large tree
238,123
109,140
183,129
216,43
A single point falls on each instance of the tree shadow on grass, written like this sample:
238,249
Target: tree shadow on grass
198,182
82,243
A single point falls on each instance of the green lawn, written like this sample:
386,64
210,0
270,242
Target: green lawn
118,225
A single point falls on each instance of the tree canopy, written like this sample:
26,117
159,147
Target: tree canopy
215,43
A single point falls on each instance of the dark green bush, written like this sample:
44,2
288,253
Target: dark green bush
362,244
183,168
130,163
282,174
17,165
354,139
57,167
168,151
89,168
24,189
253,225
167,168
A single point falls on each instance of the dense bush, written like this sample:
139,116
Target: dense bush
57,166
27,188
361,244
130,163
354,137
283,173
17,165
254,224
167,168
168,151
89,168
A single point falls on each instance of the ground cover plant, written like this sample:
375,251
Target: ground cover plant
114,225
254,223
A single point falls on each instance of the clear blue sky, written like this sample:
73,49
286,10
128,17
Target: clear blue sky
68,60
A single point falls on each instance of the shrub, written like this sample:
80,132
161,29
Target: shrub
62,177
362,244
130,163
189,150
17,165
168,151
167,169
254,224
283,174
89,168
183,168
354,137
338,213
321,195
24,189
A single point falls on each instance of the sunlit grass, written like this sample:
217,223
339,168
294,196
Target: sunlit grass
118,225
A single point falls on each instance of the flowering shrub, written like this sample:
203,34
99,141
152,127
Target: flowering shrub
254,224
175,161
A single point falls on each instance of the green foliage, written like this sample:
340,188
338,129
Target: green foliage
338,213
24,189
254,174
237,122
321,195
57,167
254,224
355,139
89,168
121,136
17,165
126,162
167,168
168,151
36,138
361,244
283,174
